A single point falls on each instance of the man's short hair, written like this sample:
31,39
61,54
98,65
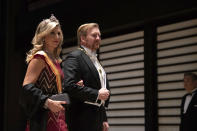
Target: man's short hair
82,30
192,75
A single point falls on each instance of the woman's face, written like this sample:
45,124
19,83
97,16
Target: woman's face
52,40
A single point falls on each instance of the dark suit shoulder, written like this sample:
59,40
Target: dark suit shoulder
76,53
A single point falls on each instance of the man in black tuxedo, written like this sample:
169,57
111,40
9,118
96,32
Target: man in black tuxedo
87,109
189,104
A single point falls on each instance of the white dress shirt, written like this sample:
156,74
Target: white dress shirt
188,100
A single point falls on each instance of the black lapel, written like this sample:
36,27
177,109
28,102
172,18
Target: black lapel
91,66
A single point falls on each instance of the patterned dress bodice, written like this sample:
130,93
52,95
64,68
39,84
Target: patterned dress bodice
47,81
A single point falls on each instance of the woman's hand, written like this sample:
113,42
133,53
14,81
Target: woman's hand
55,106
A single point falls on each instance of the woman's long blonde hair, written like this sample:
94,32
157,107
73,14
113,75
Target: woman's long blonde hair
43,29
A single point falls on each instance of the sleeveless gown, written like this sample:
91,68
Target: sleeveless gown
49,83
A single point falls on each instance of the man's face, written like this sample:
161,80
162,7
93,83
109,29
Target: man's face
92,39
189,84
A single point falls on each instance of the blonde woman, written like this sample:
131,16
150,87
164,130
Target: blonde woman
43,79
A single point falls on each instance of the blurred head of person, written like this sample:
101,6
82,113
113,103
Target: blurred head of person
190,81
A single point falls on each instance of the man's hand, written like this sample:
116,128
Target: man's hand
103,94
80,83
105,126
